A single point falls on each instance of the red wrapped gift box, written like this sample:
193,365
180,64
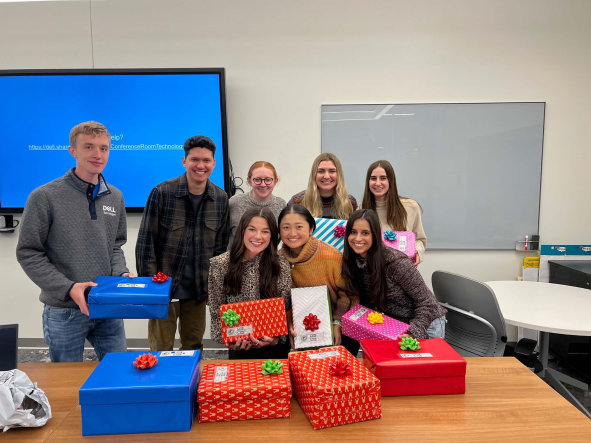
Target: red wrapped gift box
239,391
434,369
329,400
264,317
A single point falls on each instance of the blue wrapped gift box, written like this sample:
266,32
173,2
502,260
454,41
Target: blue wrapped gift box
325,231
124,297
118,398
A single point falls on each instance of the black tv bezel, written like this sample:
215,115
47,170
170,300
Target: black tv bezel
221,72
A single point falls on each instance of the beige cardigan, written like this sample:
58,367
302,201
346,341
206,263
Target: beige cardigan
413,222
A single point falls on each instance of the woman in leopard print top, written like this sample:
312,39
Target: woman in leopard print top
250,270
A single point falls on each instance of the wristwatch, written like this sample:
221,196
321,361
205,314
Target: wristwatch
337,322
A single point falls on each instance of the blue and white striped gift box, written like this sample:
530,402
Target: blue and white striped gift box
325,232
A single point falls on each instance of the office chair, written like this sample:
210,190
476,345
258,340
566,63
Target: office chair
8,347
475,326
524,351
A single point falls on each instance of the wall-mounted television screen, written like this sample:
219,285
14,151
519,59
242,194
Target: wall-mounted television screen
148,112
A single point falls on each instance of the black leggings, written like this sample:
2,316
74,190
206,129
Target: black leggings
350,345
279,351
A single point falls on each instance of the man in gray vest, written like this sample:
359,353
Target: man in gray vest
72,231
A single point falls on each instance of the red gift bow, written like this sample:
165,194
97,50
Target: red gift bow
311,322
339,231
145,361
340,369
161,277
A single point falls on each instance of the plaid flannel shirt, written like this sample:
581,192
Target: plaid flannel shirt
168,225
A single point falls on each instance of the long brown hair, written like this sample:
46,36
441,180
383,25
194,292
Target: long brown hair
341,204
376,263
269,267
395,211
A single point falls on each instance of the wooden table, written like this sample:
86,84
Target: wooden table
504,402
547,308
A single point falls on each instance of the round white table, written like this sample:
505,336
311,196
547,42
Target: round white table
547,308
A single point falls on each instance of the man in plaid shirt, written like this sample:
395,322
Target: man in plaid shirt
185,223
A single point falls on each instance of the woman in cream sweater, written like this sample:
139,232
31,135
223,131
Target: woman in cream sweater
395,212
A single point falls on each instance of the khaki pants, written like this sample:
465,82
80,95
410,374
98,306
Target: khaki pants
191,321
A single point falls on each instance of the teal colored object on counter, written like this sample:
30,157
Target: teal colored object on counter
124,297
578,250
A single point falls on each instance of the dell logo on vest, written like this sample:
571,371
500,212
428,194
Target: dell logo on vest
109,210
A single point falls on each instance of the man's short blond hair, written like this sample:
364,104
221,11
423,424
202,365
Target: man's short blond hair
88,128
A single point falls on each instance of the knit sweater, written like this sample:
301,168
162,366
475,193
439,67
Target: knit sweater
413,222
320,264
240,203
250,288
69,237
408,299
326,203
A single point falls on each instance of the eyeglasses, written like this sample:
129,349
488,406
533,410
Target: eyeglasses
258,180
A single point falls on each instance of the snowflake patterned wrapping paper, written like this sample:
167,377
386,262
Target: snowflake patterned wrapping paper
240,391
405,242
264,317
325,231
329,400
356,326
316,301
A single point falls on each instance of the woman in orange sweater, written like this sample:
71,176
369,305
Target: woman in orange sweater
313,263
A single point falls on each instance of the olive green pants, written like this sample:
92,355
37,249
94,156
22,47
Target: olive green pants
191,322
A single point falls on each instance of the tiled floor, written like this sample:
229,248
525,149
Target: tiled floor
42,356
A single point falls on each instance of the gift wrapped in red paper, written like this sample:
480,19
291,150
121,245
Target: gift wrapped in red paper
264,317
240,391
333,387
436,368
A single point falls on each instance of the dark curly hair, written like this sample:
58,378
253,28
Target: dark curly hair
199,141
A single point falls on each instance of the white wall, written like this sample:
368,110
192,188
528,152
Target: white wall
285,58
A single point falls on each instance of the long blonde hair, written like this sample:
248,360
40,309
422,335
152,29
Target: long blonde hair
341,205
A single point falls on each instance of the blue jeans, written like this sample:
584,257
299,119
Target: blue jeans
65,329
437,328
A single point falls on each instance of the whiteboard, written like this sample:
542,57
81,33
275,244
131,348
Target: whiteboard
475,168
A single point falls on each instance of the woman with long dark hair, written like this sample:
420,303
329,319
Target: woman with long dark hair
250,270
313,262
385,280
395,212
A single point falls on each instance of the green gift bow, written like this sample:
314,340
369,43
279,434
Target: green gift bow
272,367
409,343
230,318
